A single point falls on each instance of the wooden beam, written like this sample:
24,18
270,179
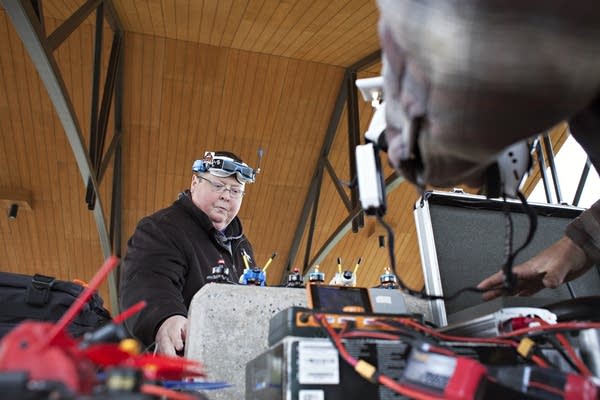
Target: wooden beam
21,197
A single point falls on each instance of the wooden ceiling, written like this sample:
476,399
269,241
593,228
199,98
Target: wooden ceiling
234,75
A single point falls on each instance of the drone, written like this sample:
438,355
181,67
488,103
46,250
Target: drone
42,360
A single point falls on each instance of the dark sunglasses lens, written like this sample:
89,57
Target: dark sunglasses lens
228,166
232,167
246,172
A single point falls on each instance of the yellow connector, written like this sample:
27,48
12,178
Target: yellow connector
525,347
365,370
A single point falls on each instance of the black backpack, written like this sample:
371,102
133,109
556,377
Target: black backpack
44,298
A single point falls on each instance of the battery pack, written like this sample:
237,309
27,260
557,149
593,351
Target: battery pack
311,369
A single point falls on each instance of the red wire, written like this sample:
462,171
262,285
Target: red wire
505,339
155,390
574,357
583,369
374,335
554,327
538,360
383,379
441,350
387,336
444,336
336,340
547,388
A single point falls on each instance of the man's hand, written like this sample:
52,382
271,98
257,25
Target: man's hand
561,262
171,335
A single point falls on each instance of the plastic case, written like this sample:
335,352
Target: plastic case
462,241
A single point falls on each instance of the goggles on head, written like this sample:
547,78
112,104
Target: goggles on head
223,167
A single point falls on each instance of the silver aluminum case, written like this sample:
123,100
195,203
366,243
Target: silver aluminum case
429,262
429,253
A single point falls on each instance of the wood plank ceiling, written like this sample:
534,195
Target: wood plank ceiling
198,75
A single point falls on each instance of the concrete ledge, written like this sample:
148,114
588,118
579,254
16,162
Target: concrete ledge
229,326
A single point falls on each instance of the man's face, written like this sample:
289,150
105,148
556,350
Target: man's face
220,207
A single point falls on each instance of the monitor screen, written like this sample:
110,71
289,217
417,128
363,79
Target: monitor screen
339,298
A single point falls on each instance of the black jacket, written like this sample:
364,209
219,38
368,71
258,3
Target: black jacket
168,258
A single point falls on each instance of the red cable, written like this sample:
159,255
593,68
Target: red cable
554,327
160,391
398,388
383,379
373,335
539,361
583,369
444,336
547,388
409,322
388,336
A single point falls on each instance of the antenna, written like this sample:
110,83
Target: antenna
269,262
357,265
260,156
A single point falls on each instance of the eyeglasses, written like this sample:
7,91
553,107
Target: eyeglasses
218,187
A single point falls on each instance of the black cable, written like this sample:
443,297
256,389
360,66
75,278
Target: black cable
558,347
510,278
416,293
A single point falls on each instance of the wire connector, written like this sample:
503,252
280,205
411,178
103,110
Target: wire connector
366,370
526,347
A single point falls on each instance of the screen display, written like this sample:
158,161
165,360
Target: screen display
339,298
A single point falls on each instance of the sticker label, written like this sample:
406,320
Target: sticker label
311,395
318,363
383,299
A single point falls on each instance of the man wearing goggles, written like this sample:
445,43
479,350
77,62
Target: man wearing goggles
173,250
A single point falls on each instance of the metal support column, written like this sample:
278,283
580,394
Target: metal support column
391,183
552,165
582,179
315,185
90,196
543,175
347,95
27,18
353,141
